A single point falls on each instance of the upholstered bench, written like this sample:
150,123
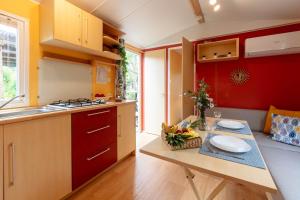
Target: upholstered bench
283,160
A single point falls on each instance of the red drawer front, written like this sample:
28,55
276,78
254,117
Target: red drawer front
89,140
86,167
93,119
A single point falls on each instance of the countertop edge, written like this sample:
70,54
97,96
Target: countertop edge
11,120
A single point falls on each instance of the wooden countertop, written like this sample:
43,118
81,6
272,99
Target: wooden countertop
14,119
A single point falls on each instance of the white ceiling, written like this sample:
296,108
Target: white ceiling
216,28
147,22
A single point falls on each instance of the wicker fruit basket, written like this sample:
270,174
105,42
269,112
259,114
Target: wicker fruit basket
189,143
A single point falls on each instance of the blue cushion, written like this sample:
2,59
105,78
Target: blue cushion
286,129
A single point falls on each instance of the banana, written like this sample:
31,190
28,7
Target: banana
174,129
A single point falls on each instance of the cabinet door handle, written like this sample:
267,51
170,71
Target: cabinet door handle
98,113
119,125
12,160
99,129
87,30
97,155
79,28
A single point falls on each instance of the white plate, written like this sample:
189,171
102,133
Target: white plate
230,143
230,124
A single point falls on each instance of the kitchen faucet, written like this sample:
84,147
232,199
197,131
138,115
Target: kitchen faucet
10,100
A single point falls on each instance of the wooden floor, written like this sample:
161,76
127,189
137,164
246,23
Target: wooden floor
145,178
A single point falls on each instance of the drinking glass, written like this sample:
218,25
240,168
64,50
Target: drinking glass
217,114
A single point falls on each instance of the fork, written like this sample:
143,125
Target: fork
216,152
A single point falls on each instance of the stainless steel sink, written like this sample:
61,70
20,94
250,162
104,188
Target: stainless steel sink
25,112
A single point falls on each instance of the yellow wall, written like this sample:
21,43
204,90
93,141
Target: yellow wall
30,11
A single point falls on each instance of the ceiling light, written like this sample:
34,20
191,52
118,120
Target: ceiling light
217,7
212,2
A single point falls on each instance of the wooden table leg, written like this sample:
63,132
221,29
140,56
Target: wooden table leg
190,177
212,194
216,190
269,196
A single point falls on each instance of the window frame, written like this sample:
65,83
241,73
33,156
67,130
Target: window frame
22,61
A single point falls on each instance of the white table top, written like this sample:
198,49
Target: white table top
231,171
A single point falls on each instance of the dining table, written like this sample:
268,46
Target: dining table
227,171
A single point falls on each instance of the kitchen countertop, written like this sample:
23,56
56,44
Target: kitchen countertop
14,119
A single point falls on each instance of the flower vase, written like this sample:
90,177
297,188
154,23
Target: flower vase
202,121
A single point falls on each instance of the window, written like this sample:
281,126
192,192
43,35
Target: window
13,59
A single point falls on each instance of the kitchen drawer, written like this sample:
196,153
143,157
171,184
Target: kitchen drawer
87,141
94,119
86,167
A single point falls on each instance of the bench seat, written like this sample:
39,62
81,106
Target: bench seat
283,160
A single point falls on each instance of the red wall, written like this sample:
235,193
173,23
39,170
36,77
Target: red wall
273,80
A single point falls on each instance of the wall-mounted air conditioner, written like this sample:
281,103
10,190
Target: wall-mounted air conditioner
271,45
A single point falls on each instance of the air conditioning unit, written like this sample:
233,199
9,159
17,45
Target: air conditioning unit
271,45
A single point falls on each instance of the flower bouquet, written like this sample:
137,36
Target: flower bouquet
202,103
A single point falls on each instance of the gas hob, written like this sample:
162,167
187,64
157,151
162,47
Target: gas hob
75,103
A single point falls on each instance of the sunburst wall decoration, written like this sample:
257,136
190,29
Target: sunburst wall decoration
239,76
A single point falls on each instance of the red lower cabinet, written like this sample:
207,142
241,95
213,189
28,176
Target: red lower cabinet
85,168
94,143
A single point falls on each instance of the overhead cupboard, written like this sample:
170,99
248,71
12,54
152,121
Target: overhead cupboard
64,25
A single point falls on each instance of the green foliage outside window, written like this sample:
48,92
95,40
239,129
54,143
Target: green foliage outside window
9,82
132,76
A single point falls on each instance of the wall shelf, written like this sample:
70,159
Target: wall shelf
222,47
109,29
109,41
111,36
54,56
110,55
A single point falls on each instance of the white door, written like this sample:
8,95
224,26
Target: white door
154,90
